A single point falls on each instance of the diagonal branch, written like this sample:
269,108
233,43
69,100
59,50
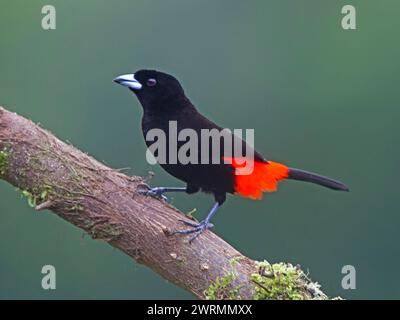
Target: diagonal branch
106,204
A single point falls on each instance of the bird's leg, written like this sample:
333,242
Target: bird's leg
159,191
198,228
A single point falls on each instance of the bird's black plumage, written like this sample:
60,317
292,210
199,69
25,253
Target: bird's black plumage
166,101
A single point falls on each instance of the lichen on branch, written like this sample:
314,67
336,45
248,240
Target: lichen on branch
3,161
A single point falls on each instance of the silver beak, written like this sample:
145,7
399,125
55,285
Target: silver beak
128,80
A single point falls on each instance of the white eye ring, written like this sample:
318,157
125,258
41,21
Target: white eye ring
151,82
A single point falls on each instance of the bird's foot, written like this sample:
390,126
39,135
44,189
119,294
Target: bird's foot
196,228
157,192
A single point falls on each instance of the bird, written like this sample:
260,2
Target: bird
164,101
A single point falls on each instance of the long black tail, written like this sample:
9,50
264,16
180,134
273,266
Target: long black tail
302,175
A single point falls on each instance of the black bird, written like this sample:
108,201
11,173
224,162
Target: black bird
164,102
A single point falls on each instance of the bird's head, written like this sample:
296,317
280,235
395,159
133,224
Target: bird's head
153,88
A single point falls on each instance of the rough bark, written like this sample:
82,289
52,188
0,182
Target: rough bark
107,205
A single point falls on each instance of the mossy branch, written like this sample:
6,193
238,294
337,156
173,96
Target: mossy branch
106,204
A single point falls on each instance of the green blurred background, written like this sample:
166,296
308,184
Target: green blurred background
319,97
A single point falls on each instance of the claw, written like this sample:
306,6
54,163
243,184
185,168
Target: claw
196,230
195,235
154,192
190,224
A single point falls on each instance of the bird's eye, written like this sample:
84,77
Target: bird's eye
151,82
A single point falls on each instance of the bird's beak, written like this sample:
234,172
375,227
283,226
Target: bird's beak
128,80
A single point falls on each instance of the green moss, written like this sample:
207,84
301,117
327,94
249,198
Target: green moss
222,288
278,281
36,195
4,154
30,197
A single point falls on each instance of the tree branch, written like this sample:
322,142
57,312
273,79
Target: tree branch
107,205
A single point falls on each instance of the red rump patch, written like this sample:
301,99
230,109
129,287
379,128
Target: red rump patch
264,178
